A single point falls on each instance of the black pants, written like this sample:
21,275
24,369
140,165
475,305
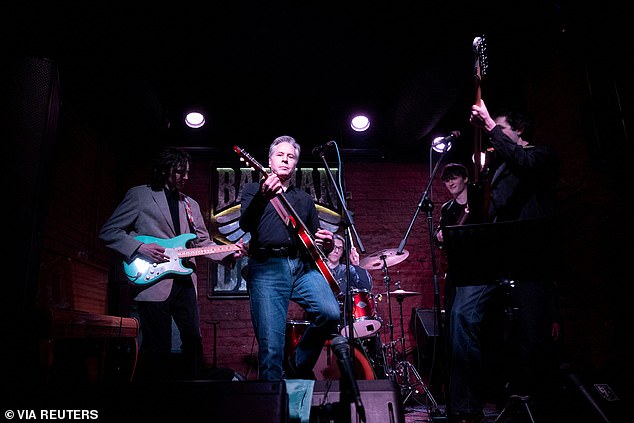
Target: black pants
156,358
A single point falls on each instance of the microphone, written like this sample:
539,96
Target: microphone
454,135
317,151
340,347
441,145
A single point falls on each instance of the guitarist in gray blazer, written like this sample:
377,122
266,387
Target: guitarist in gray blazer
146,227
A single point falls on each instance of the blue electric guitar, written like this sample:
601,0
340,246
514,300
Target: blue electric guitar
141,272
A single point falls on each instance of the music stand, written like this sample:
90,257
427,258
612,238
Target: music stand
491,252
504,254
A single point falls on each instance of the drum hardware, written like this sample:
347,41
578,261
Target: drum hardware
376,354
406,369
406,375
403,372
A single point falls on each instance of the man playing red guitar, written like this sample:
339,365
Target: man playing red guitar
281,268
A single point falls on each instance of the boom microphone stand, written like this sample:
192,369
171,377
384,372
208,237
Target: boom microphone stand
348,225
426,204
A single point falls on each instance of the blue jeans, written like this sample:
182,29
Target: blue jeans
272,284
466,387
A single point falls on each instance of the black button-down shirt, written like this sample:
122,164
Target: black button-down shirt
259,217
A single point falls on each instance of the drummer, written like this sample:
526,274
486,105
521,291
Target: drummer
360,278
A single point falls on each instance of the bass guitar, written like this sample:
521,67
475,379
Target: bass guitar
142,272
479,189
292,220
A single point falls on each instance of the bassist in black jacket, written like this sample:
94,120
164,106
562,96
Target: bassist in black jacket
522,191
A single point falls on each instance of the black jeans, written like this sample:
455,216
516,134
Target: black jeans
156,358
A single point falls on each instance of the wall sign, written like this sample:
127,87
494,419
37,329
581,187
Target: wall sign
226,189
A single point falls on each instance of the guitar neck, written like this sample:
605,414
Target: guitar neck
280,208
288,213
463,216
212,249
480,68
477,140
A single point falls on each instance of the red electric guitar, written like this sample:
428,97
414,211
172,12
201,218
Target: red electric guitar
292,220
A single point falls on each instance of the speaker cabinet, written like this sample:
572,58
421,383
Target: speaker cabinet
31,95
381,402
201,401
426,330
223,402
431,346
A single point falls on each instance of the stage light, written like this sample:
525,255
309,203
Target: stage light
194,119
360,123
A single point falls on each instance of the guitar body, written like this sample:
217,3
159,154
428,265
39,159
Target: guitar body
141,272
292,220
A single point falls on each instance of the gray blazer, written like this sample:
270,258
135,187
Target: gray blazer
146,212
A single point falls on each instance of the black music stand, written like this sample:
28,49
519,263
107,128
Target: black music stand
492,252
504,254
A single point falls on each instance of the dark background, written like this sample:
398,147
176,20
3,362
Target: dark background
302,68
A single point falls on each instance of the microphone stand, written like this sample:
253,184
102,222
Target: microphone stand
426,204
348,224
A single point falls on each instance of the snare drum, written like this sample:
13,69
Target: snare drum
365,320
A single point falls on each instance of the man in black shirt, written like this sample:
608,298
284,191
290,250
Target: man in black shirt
280,269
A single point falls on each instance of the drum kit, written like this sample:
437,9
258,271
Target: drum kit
372,358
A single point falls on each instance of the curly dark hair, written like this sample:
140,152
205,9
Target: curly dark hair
169,160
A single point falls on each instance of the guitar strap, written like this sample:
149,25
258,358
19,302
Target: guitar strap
188,211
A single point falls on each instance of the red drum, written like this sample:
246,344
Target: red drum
294,331
326,367
365,320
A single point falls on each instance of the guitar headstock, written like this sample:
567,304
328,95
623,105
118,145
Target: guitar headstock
481,61
249,160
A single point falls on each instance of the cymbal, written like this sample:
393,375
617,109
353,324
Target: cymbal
401,293
375,260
